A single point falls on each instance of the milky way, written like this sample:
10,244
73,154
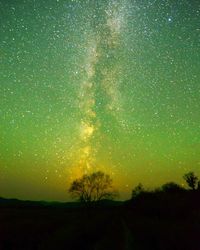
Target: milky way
108,36
98,85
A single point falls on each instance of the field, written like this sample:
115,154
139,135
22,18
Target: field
148,223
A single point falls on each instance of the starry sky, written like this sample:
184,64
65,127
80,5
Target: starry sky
97,85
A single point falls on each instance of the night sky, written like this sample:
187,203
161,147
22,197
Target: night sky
97,85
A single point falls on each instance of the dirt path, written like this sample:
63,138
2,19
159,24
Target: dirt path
117,236
128,237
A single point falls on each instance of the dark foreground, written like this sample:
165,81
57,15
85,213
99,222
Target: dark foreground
167,222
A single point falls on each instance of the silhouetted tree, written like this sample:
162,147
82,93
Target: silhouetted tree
198,185
191,180
93,187
137,190
171,187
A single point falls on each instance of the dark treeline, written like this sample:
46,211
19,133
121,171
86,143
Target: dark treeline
166,218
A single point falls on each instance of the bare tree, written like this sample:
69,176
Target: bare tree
93,187
191,180
137,190
198,185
